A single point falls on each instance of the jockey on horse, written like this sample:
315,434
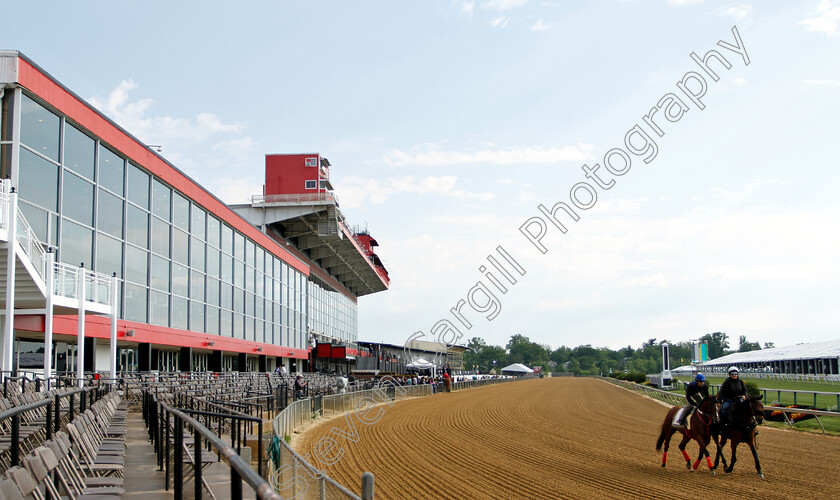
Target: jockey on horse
695,393
731,390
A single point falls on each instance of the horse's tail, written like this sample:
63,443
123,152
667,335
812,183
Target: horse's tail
661,439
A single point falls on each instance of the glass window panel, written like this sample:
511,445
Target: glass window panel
249,329
197,286
79,151
249,304
249,279
213,228
196,316
38,220
160,273
211,319
158,308
180,279
137,189
135,303
227,240
38,182
197,254
225,323
137,226
227,296
238,300
39,128
238,246
180,246
260,282
180,211
259,310
198,222
109,214
259,331
260,259
238,326
239,274
213,291
179,313
76,245
77,199
136,265
227,268
212,261
108,255
161,200
111,170
160,236
249,253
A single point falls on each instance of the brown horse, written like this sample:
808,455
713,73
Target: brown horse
699,430
749,413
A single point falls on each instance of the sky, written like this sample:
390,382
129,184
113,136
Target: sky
448,123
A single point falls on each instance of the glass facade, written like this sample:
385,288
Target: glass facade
331,313
179,266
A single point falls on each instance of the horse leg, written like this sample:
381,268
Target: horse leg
751,444
719,456
734,446
683,443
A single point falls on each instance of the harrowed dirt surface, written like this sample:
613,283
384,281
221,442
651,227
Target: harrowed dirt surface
557,438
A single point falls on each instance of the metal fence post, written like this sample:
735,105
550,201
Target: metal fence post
367,486
178,474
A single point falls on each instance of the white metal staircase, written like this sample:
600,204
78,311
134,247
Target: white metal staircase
41,285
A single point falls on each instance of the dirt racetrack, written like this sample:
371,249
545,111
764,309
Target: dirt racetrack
558,438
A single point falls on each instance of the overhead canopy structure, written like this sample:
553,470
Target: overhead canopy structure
421,364
818,358
517,368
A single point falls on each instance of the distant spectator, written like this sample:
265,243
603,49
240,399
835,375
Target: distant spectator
300,387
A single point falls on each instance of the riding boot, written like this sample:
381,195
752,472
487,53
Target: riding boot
679,419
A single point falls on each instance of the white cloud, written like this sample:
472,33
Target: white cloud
683,2
356,191
432,155
737,12
503,4
740,81
832,83
539,26
204,147
159,129
467,8
500,22
826,20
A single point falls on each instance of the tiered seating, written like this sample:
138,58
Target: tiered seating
87,465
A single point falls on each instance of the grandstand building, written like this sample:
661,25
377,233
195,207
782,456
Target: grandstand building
818,358
163,274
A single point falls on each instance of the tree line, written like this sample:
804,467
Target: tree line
588,360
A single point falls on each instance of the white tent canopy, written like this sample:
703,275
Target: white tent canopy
421,364
517,368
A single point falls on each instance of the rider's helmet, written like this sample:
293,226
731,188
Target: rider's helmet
700,378
733,369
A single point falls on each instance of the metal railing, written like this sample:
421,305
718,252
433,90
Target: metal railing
280,199
168,426
31,245
97,285
679,400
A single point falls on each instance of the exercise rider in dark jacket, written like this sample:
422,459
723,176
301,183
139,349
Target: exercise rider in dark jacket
695,393
731,390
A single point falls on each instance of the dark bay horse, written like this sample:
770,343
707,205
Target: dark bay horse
699,430
749,413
